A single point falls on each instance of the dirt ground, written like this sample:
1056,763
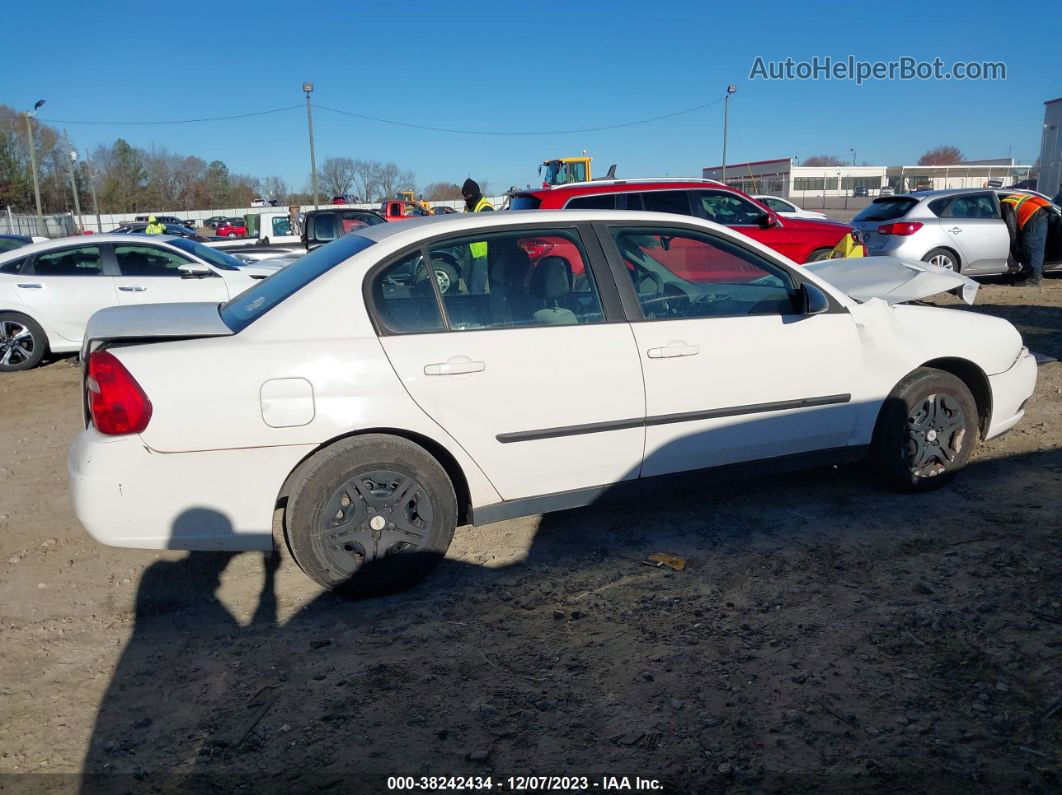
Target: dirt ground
824,636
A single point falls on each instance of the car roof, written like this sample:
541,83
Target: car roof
640,182
86,240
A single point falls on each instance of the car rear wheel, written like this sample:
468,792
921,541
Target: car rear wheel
370,515
231,234
943,258
22,342
819,254
926,431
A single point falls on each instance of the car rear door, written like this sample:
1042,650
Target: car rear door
972,222
148,274
733,371
535,375
64,287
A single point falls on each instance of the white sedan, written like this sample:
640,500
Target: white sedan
576,355
49,290
787,209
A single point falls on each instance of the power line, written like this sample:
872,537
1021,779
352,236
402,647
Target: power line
169,121
380,120
520,132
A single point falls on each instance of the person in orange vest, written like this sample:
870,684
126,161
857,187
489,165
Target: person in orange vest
1030,216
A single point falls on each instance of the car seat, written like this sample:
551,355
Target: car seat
508,299
550,283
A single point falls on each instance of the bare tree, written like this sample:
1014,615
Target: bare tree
824,160
442,191
367,179
336,175
275,188
941,156
391,179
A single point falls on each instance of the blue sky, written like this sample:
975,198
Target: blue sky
529,66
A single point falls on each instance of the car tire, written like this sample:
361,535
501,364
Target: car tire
370,515
819,254
944,257
926,431
23,342
231,234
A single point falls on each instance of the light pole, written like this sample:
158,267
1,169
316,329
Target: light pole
33,153
92,188
73,180
308,88
853,155
730,89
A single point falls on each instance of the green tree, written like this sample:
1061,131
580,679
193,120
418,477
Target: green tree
218,184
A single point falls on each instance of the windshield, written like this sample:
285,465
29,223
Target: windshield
251,304
525,203
219,259
886,209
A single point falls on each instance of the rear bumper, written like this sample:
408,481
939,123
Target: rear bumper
128,495
1010,392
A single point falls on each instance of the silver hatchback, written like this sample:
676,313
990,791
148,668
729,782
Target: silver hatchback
961,230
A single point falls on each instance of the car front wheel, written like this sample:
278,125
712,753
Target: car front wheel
943,258
819,254
926,431
370,515
22,342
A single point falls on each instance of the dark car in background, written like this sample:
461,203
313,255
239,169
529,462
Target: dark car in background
178,230
165,219
10,242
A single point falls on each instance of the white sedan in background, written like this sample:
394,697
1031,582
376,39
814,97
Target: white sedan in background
378,413
787,209
48,291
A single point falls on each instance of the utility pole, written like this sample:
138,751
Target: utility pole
308,88
73,179
853,151
95,201
33,153
730,89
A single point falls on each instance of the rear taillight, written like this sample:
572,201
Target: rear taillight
536,247
116,402
900,228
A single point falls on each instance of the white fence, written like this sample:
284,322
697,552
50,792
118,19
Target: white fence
110,221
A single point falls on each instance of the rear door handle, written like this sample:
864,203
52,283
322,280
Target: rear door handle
673,350
456,366
955,230
31,285
131,288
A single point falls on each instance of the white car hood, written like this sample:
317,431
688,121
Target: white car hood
892,279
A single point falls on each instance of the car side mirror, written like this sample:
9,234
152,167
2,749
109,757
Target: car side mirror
194,271
769,220
814,300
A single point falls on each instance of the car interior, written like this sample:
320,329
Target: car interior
72,262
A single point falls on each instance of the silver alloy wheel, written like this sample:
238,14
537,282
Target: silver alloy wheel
16,343
942,261
443,278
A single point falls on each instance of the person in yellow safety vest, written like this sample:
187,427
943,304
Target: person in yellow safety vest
1030,218
154,227
475,203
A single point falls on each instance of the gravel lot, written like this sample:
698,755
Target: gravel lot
824,636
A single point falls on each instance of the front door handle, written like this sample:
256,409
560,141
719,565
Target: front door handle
456,366
955,230
673,350
30,285
131,289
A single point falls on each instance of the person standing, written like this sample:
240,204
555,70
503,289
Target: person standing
1030,214
475,203
154,227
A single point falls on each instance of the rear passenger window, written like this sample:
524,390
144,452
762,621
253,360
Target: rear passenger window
324,227
667,201
404,298
81,261
601,201
14,266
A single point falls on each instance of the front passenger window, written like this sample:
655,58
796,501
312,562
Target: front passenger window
148,261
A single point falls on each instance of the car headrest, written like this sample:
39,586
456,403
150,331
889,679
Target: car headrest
511,268
552,278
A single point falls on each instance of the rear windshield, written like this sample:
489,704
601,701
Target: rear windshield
252,303
525,203
886,209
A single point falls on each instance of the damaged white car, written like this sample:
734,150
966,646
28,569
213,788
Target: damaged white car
568,357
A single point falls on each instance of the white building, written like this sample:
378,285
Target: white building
1050,179
782,177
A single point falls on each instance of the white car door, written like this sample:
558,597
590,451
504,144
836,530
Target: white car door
733,372
64,287
148,274
973,223
521,367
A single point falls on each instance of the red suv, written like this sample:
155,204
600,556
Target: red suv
801,240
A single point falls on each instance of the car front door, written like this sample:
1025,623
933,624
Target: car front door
533,372
975,227
734,371
730,209
65,286
148,274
